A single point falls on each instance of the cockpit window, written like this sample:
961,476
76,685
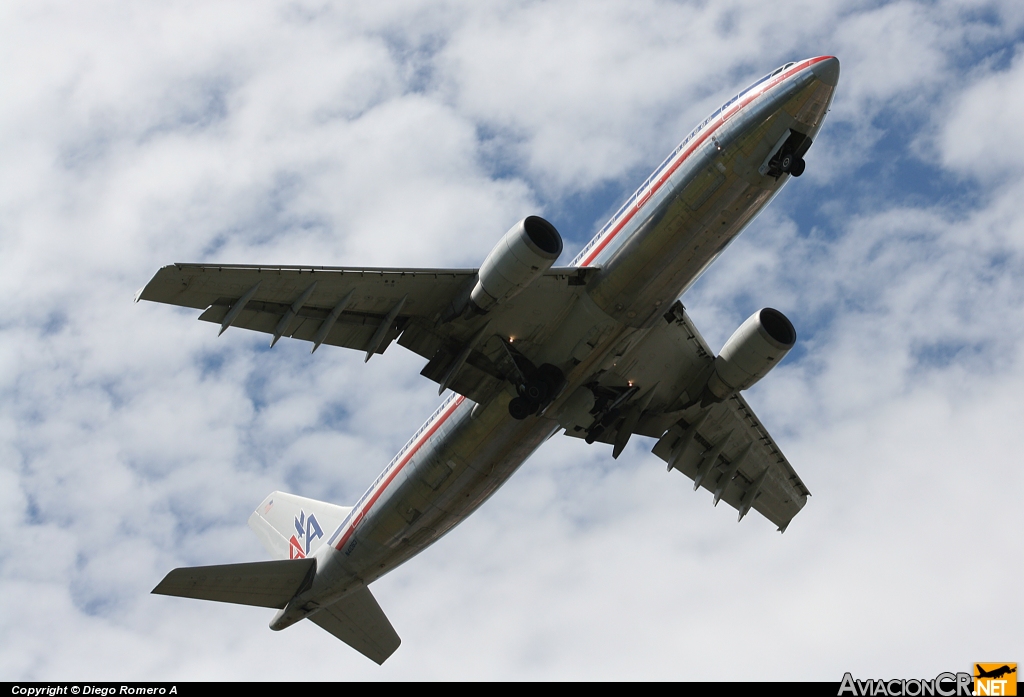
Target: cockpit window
779,70
769,76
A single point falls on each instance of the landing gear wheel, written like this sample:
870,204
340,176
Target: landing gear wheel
536,390
520,408
797,168
786,162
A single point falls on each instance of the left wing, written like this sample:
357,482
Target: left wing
366,309
650,389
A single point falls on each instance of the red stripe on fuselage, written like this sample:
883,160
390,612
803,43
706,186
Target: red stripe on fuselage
368,504
669,171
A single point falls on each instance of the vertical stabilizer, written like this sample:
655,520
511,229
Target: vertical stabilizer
293,527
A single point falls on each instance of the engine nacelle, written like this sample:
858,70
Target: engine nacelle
523,254
753,349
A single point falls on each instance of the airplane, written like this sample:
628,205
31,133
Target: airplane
601,349
994,673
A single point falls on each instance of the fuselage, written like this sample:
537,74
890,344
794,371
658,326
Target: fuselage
693,205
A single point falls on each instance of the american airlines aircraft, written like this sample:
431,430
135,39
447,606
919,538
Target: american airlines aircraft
601,348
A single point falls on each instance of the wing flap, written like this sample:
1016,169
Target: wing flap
351,330
263,584
781,494
358,621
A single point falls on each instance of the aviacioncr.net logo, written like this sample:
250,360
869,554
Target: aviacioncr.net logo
995,679
943,685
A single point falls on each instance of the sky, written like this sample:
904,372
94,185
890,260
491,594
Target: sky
133,440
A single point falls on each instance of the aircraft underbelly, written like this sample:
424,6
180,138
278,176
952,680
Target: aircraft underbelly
451,475
681,229
684,226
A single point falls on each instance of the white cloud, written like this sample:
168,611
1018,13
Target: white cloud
982,137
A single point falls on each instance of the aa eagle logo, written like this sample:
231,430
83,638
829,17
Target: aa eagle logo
307,529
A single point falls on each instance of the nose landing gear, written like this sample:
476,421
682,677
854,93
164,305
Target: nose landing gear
788,157
792,164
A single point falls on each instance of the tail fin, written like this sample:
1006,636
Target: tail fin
293,527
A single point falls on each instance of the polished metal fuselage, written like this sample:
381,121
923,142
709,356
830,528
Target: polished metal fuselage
658,244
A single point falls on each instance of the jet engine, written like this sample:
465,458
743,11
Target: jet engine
753,349
523,254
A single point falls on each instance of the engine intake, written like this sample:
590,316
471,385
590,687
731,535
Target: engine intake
753,350
523,254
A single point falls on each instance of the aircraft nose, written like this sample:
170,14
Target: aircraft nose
827,71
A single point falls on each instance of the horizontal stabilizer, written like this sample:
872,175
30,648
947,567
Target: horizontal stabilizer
358,620
262,583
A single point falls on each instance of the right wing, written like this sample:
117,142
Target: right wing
366,309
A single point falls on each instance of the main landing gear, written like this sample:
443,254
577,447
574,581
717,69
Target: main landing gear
536,391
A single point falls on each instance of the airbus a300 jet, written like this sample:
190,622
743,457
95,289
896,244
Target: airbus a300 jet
601,349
